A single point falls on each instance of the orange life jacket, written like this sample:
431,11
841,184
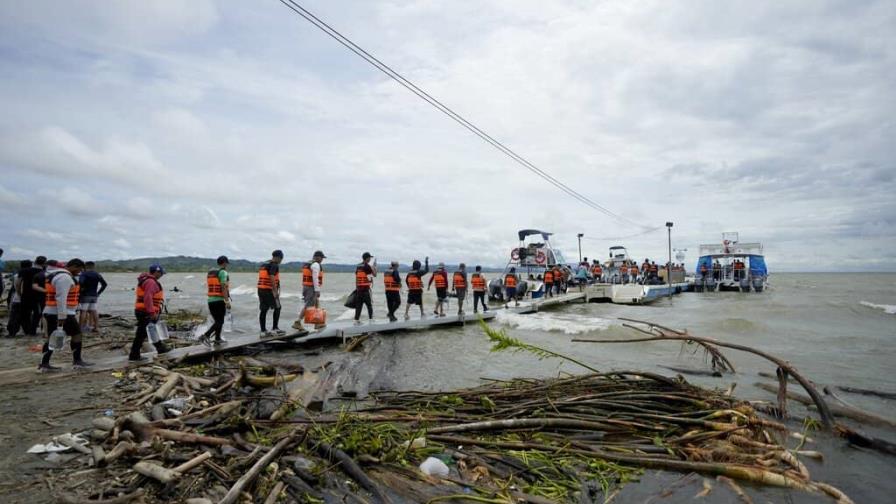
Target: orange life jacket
633,270
361,278
264,278
654,268
71,300
415,283
738,266
307,281
510,280
460,282
478,282
548,277
391,284
157,298
623,269
215,289
441,279
596,270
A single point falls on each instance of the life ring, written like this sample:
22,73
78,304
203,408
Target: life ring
515,254
540,257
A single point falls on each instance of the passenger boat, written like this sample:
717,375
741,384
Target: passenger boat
531,258
731,266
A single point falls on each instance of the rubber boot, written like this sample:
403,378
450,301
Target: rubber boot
76,355
161,347
135,349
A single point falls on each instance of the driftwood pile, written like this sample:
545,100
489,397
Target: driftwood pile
237,431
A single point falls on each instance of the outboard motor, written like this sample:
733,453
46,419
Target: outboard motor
521,289
496,290
758,283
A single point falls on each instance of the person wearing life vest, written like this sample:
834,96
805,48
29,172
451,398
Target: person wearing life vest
269,293
147,308
549,282
364,274
597,272
392,283
633,272
414,282
480,287
511,280
312,281
218,294
459,286
623,272
61,304
440,278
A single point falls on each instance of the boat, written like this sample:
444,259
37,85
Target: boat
531,258
731,265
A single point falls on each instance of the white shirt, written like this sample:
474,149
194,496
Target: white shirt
315,275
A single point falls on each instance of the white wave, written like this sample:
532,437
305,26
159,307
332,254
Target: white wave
566,323
331,298
243,290
189,277
346,315
287,295
890,309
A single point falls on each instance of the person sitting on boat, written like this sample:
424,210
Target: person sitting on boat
511,279
414,281
549,283
633,272
440,277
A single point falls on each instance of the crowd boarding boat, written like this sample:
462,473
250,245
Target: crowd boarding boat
731,266
531,258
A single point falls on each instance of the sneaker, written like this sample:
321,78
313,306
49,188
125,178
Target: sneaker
47,369
81,364
441,314
298,325
279,332
204,340
485,308
220,341
265,334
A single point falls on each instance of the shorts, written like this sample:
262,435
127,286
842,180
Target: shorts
442,293
415,297
266,300
511,292
87,303
308,295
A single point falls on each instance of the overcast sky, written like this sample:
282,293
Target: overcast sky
135,129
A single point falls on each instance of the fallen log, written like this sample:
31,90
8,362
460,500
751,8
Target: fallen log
350,467
836,409
156,472
250,475
162,392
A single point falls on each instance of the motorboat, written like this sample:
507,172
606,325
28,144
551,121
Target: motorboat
530,258
731,265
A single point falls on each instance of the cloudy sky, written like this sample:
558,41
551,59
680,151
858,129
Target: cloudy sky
196,127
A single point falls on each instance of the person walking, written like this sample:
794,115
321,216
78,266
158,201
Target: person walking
392,283
511,279
440,278
32,299
549,282
414,282
62,292
217,282
364,274
14,322
479,284
459,284
269,293
147,308
312,281
92,286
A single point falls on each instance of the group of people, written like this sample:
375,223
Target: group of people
736,267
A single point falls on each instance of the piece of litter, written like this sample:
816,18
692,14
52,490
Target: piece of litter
434,467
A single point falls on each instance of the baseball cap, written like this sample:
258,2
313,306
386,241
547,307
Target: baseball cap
223,260
366,255
277,253
319,253
157,267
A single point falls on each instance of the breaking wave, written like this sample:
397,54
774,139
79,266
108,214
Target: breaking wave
243,290
566,323
889,309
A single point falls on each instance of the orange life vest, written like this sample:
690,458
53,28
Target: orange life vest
71,300
215,289
441,279
548,277
478,282
307,274
738,265
633,270
264,278
623,269
361,278
391,284
596,270
654,268
460,282
157,298
510,280
415,283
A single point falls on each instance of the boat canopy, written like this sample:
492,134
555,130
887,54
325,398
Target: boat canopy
757,263
523,233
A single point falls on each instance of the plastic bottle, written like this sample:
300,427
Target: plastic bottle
153,332
228,322
57,339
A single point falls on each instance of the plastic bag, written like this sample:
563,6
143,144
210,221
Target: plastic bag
57,339
352,300
434,467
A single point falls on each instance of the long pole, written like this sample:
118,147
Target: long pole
669,264
580,246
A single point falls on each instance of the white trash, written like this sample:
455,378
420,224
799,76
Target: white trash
434,467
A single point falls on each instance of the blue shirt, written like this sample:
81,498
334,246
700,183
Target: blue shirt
89,281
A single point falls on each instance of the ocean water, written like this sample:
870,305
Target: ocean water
837,329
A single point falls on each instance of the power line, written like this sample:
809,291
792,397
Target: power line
600,238
379,65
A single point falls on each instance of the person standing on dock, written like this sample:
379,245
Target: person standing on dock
147,308
478,282
597,272
269,292
459,284
312,281
414,281
364,274
549,282
218,292
440,277
511,279
92,286
392,281
62,292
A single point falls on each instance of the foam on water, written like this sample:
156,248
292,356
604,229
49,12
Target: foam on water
346,315
243,290
189,277
566,323
890,309
331,298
